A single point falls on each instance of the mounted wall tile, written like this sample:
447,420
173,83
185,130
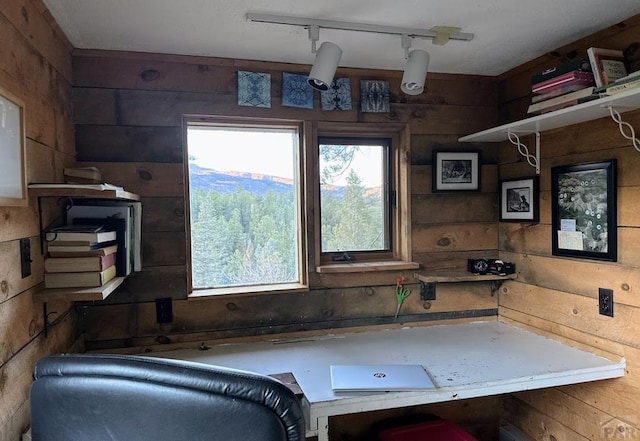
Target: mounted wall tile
296,92
338,97
374,96
254,89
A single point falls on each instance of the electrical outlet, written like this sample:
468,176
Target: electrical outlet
25,257
164,310
605,301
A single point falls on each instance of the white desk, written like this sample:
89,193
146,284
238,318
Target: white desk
465,361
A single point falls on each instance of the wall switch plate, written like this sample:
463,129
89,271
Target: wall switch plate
164,310
605,301
25,257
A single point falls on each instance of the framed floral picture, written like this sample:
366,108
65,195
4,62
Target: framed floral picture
583,211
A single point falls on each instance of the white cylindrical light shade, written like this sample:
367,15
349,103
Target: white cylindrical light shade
415,72
324,68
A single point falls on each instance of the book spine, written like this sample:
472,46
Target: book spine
612,90
594,66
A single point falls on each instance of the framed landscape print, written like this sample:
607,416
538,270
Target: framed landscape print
453,171
13,186
583,211
519,200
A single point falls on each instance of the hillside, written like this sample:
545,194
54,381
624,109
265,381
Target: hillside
227,182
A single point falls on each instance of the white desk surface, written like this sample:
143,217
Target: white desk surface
464,360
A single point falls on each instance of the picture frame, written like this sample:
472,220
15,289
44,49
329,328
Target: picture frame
456,171
584,206
520,200
13,176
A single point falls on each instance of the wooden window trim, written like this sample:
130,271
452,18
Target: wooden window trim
400,257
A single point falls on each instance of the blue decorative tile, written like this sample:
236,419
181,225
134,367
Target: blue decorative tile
254,89
374,96
296,92
338,97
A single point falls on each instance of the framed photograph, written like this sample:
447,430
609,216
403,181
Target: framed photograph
453,171
583,211
13,177
519,200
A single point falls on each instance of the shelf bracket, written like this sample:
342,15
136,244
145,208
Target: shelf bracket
47,323
622,126
533,160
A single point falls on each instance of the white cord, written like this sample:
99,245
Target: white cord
615,115
524,151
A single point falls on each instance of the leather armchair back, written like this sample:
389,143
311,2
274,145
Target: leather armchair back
83,397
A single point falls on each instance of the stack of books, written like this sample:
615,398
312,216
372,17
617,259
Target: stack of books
80,256
607,65
563,86
620,85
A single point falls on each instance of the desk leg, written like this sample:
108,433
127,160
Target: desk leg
323,429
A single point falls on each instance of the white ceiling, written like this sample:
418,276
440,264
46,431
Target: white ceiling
507,33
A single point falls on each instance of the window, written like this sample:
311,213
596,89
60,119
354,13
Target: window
245,206
363,197
355,198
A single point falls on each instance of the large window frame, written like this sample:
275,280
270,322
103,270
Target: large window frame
399,255
251,123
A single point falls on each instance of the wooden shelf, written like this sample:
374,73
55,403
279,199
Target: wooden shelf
82,191
622,102
459,276
79,294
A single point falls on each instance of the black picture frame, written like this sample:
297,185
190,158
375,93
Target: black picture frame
520,200
583,211
456,171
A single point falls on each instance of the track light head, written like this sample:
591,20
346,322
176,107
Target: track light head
325,65
415,72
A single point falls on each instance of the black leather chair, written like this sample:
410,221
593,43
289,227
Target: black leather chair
83,397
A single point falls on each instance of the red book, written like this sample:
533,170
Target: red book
79,264
573,77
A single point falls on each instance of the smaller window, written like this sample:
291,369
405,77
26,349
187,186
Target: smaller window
362,216
355,198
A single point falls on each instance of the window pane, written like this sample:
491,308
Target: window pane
244,206
353,193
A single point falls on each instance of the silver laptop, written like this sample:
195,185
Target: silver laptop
389,377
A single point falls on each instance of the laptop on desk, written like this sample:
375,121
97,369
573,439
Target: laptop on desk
390,377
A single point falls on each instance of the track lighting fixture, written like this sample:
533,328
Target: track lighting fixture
326,63
328,55
415,70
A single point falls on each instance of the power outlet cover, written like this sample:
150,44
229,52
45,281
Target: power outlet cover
25,257
164,310
605,301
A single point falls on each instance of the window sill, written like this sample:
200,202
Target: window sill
363,267
238,291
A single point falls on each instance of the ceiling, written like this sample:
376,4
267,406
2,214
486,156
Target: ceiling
506,33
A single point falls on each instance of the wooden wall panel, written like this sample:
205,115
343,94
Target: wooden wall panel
283,313
129,111
558,297
35,64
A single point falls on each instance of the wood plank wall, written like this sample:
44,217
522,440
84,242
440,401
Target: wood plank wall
129,126
558,296
35,64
